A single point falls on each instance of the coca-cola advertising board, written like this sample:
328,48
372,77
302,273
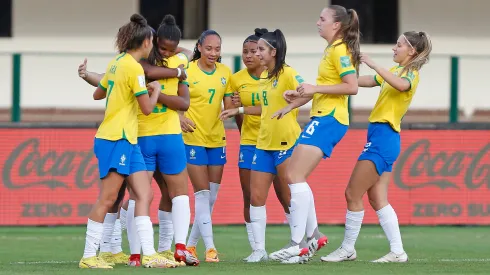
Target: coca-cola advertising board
50,177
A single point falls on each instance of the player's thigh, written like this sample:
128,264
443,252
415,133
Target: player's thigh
378,193
363,177
176,184
304,160
198,174
141,186
260,183
245,184
216,162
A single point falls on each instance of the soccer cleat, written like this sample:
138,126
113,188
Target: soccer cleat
259,255
212,255
192,250
315,244
288,252
185,257
392,258
340,255
107,257
157,261
248,257
120,258
169,255
134,260
93,262
296,260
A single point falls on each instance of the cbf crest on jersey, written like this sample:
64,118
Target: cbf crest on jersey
345,61
274,84
223,81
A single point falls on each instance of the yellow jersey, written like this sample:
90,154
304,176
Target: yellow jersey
163,121
335,64
392,104
247,86
207,90
278,134
123,81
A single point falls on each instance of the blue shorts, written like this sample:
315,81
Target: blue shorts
246,155
198,155
382,147
167,152
323,132
266,160
119,156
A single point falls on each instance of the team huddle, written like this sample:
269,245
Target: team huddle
165,107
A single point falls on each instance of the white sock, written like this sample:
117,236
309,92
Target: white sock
300,206
116,240
214,188
109,221
195,234
203,217
250,234
258,218
145,233
181,218
122,217
165,230
311,221
353,222
133,239
92,238
389,222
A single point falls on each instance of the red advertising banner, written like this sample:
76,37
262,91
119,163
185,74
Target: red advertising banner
50,177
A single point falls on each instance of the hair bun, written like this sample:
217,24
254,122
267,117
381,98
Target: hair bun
259,32
169,20
138,19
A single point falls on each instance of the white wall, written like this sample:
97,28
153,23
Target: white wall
68,18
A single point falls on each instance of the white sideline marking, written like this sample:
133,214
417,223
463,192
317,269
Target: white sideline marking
46,262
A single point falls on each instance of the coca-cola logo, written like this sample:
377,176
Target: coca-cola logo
26,167
422,165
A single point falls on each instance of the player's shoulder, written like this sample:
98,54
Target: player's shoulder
339,48
177,60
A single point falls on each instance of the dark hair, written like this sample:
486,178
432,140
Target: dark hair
132,34
169,30
349,30
420,42
256,36
197,53
276,40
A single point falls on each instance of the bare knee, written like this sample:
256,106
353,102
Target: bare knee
257,199
377,202
108,200
353,199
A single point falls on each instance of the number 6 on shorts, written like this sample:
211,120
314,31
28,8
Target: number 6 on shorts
311,128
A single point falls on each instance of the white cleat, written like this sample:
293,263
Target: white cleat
315,244
340,255
392,258
288,252
296,260
258,255
248,257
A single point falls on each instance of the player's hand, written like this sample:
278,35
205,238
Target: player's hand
306,90
183,75
82,69
367,60
186,124
281,113
290,95
226,114
235,98
154,87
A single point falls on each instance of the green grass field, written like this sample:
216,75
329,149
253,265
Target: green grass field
432,250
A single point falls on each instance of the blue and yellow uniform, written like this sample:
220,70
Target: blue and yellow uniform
159,134
276,137
207,144
247,86
115,143
329,113
383,137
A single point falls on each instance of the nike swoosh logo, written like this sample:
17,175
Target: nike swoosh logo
303,136
348,257
205,222
223,157
196,82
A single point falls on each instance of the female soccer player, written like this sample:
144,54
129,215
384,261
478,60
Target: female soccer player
115,144
276,138
372,172
204,135
337,79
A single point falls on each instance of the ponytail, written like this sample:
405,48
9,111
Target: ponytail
421,43
349,30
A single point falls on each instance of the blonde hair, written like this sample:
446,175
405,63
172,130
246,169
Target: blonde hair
420,42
